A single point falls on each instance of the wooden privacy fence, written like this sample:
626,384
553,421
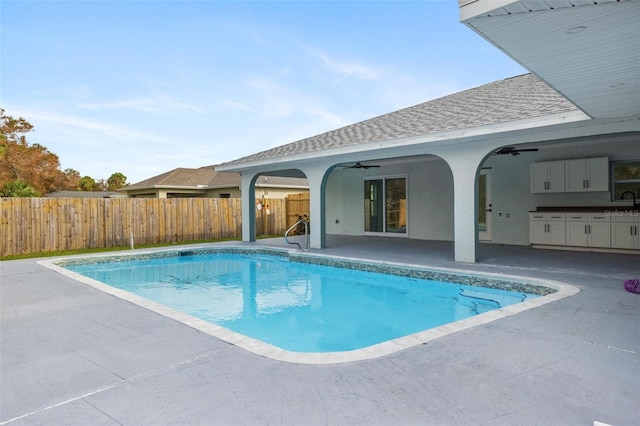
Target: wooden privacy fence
297,207
34,225
275,216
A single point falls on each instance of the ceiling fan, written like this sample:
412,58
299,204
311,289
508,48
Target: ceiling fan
359,165
513,151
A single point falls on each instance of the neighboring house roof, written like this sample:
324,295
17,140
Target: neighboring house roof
180,177
85,194
511,99
207,178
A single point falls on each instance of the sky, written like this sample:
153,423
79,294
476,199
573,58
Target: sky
142,87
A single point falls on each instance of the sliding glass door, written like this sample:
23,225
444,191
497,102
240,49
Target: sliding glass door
373,205
385,205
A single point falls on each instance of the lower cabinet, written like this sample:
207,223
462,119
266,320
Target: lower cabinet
547,228
624,231
609,230
588,230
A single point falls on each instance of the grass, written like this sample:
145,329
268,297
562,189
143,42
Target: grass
120,248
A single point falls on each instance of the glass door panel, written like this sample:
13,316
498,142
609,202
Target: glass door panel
373,205
396,202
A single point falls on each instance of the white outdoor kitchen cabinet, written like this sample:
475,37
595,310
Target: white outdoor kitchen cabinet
586,174
547,228
625,231
588,230
547,176
576,175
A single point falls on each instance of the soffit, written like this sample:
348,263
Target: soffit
587,50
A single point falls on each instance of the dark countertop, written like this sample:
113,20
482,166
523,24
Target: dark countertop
588,209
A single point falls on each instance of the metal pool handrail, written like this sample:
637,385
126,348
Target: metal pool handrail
306,233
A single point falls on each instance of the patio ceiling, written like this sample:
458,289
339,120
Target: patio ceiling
588,50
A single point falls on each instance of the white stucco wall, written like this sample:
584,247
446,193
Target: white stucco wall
430,192
510,185
280,193
430,195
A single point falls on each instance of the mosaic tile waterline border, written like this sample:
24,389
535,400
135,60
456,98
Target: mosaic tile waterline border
411,271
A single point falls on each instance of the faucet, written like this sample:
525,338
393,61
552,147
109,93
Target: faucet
633,194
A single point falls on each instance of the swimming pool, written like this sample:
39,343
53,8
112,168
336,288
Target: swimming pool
304,307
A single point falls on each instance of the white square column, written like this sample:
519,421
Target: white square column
316,178
465,167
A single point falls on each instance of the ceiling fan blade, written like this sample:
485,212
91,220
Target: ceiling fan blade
504,150
359,165
513,151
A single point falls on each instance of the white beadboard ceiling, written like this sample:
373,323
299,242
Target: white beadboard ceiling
587,50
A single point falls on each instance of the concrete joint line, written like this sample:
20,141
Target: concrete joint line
40,410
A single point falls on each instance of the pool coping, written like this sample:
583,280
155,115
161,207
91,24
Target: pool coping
562,290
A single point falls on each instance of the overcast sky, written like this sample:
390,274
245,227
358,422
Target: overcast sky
143,87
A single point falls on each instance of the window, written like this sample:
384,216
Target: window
625,176
385,205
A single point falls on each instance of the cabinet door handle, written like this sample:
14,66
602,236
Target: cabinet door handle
587,183
631,229
589,228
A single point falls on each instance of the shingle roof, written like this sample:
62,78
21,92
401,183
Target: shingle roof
186,177
178,177
506,100
85,194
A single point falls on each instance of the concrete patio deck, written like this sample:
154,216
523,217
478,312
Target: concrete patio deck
73,355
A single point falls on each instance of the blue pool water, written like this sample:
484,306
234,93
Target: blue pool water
298,306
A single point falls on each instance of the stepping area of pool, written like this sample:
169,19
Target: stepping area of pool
71,354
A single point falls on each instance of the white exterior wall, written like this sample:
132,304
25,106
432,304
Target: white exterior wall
429,194
279,193
215,193
510,186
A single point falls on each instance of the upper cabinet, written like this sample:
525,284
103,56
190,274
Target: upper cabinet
587,174
579,175
547,176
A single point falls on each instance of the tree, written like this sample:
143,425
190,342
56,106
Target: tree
116,181
72,178
33,164
87,183
10,128
18,188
